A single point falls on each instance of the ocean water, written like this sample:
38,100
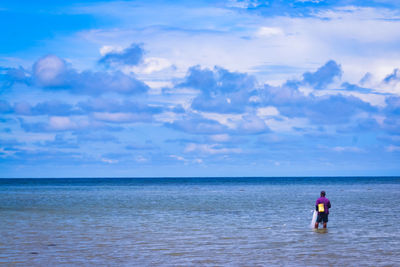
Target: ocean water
198,222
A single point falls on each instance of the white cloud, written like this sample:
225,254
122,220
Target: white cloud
34,137
48,69
311,1
269,31
372,98
120,117
6,153
361,39
109,161
220,138
105,49
239,4
198,161
210,149
141,159
393,148
177,157
347,149
149,65
61,123
284,124
251,123
229,120
167,117
267,111
186,161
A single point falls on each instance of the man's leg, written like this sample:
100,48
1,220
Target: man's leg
319,219
325,220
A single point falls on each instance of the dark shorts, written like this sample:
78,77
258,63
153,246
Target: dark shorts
322,217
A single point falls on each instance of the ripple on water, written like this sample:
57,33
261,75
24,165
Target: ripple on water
200,224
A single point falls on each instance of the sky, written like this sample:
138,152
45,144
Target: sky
199,88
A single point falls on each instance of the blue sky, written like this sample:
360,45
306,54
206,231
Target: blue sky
199,88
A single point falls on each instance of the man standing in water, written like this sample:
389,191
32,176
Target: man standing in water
322,205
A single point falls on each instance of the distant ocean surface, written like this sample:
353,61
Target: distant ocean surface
198,222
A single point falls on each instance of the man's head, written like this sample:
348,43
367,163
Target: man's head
323,193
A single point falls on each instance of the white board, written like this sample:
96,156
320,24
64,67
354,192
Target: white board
314,219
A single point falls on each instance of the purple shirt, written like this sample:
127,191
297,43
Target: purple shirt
327,203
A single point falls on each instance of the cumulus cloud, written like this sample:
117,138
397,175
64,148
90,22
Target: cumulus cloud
132,56
347,149
218,80
151,65
355,88
319,109
323,76
224,113
59,141
51,107
393,77
269,31
210,149
65,124
362,125
230,102
251,124
224,103
105,110
54,123
147,146
55,107
121,117
10,76
220,138
53,73
7,152
286,94
267,111
218,112
391,122
336,109
61,123
89,137
45,156
221,91
393,105
118,106
195,124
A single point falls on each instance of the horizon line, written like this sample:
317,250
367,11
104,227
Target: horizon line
205,177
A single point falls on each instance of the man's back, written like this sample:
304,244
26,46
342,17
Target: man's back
326,204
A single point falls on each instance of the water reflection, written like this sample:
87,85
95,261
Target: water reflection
321,230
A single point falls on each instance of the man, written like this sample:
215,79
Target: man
322,205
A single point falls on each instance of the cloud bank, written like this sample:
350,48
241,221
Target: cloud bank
227,88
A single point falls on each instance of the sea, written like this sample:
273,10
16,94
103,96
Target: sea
198,222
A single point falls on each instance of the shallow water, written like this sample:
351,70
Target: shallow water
207,222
